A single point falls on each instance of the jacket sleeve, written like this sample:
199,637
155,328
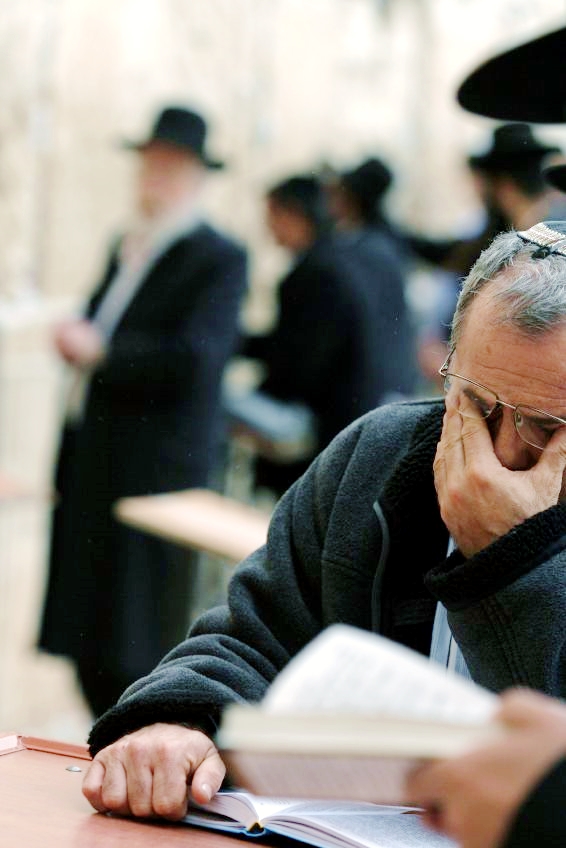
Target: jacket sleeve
273,610
507,605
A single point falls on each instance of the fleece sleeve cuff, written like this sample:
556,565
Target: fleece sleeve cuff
118,721
459,582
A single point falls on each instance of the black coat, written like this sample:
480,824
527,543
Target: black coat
343,342
540,819
384,263
117,598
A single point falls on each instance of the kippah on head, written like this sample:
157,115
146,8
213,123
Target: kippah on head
549,236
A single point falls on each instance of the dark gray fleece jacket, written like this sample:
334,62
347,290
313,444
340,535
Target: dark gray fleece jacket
359,539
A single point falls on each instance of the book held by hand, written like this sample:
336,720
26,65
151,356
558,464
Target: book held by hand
348,717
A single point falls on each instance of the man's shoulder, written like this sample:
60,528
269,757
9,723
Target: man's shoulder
407,415
384,434
219,242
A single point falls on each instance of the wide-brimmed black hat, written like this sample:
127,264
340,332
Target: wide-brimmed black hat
513,146
526,83
182,128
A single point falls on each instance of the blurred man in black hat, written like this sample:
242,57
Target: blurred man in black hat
146,358
341,344
510,179
358,197
510,182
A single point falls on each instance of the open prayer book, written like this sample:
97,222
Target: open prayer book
348,717
340,824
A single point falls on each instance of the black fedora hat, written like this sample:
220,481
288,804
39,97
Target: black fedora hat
556,176
369,180
513,146
525,83
182,128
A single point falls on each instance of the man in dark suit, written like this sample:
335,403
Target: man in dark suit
143,417
333,346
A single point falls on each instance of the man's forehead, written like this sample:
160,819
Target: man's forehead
486,304
498,353
495,300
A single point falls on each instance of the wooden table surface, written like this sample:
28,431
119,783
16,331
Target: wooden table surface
42,806
200,519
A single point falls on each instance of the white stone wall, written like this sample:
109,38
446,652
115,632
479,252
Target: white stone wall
287,84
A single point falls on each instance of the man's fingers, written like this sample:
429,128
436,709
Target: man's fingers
452,425
521,706
169,798
450,439
208,778
553,457
421,781
137,769
474,432
92,785
424,787
106,786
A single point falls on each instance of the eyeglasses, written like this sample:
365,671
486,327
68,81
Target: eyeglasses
534,426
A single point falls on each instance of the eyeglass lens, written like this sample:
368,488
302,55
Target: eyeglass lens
535,428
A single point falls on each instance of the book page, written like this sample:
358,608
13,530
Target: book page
344,827
346,669
328,824
245,808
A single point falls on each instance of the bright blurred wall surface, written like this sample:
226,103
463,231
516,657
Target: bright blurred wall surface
286,84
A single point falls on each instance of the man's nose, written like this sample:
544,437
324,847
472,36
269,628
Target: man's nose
511,451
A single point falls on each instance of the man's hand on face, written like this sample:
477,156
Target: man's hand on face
149,772
480,499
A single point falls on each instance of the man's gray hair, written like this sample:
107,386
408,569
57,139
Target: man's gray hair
531,295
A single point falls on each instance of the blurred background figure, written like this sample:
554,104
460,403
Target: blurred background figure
381,249
333,345
509,180
357,200
147,360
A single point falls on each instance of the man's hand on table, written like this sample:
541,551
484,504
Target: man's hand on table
148,772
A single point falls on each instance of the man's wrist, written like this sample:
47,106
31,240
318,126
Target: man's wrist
459,582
